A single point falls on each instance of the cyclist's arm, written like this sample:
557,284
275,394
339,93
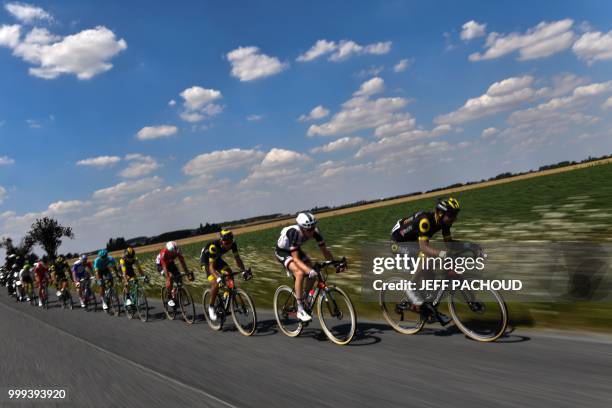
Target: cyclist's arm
427,249
183,264
237,257
140,271
326,253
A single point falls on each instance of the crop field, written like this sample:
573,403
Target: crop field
569,206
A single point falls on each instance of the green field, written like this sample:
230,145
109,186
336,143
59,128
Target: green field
575,205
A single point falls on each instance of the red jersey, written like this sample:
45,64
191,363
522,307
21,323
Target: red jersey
41,270
166,257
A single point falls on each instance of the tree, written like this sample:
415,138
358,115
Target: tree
48,233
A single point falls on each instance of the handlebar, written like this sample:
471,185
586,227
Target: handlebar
340,265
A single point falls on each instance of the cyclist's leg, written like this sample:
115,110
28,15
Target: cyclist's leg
100,282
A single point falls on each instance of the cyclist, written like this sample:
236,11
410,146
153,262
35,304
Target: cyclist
104,266
127,263
26,280
58,273
421,226
167,267
211,259
81,269
41,273
296,262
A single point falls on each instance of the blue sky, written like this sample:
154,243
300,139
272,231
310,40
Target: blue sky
129,118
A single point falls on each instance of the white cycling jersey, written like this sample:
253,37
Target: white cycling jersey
292,238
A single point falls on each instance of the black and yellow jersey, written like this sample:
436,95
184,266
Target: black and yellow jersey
214,250
421,226
127,264
59,269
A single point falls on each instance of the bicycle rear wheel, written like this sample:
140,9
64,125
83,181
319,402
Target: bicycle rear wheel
142,306
168,310
243,312
395,308
186,304
130,311
285,312
69,300
91,303
337,315
217,324
114,307
480,315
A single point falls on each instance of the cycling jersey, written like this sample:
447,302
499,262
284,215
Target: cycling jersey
292,238
79,269
165,257
213,251
420,226
104,264
59,269
41,271
127,265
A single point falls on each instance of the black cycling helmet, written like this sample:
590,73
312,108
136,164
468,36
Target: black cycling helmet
129,252
226,235
448,205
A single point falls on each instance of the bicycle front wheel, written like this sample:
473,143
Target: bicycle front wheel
480,315
285,312
243,312
337,315
113,302
217,324
396,310
186,304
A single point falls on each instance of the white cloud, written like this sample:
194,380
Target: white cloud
140,166
402,65
156,132
488,132
33,123
594,46
371,87
100,161
500,96
541,41
5,160
126,188
85,54
248,64
198,103
395,128
343,50
340,144
172,102
471,30
403,142
369,72
9,35
318,112
2,197
106,213
277,157
27,13
320,48
254,118
221,160
277,165
607,104
63,207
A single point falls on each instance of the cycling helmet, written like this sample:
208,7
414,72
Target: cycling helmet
226,235
83,258
306,220
129,252
172,247
60,259
449,205
103,253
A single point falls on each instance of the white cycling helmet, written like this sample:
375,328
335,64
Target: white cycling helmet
172,246
306,220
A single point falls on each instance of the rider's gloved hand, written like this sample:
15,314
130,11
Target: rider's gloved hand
191,277
312,274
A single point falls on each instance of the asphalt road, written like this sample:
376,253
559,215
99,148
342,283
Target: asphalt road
105,361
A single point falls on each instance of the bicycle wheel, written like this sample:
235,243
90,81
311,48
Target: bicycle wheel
337,315
285,312
142,306
217,324
130,311
91,303
395,308
46,299
168,310
113,302
186,304
480,315
69,300
243,312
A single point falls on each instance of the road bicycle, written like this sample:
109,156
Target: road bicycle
182,301
111,298
65,298
234,301
481,315
135,293
89,297
334,307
